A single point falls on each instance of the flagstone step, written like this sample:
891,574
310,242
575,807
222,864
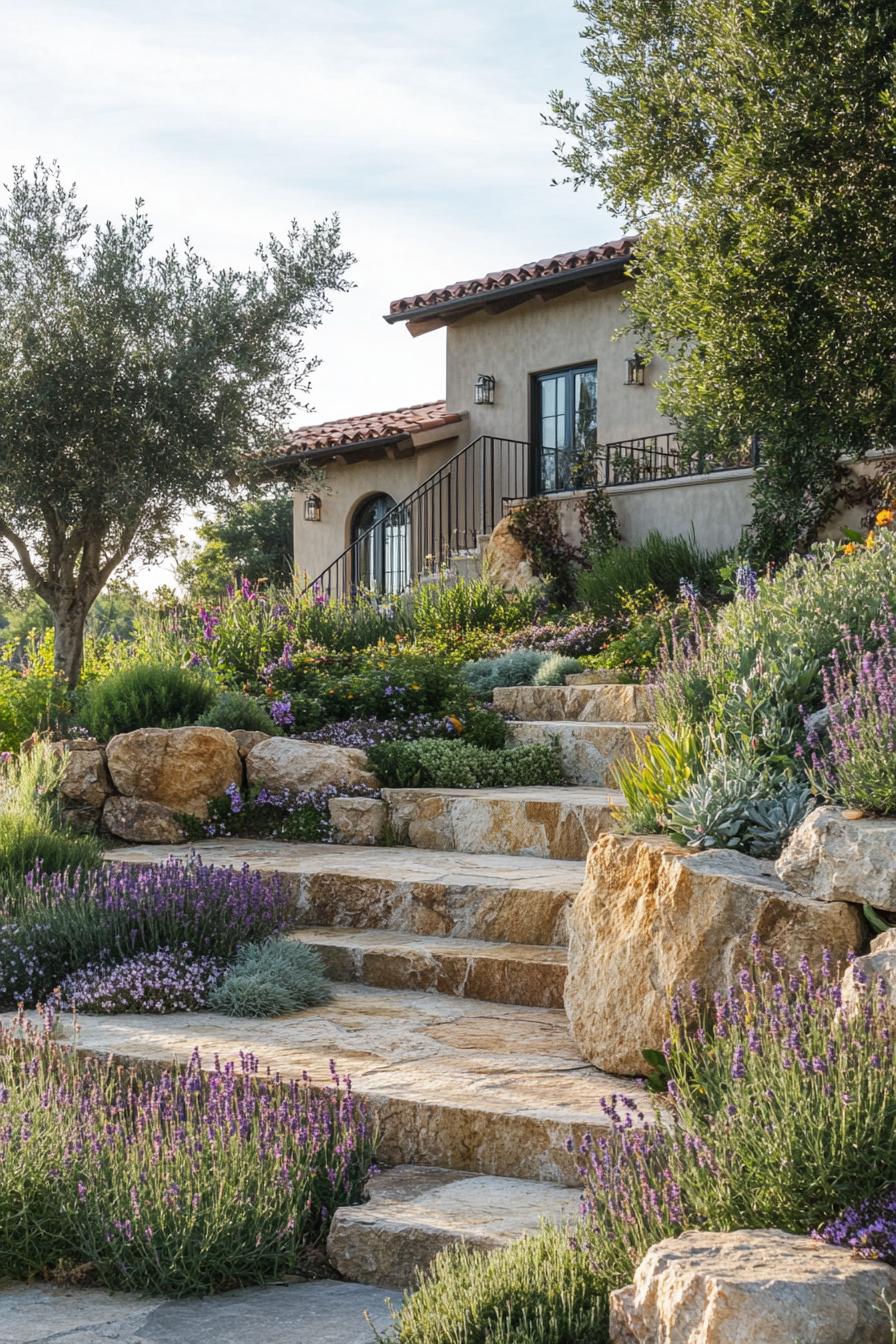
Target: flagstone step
551,823
489,1088
614,703
415,1212
497,897
589,751
471,968
598,676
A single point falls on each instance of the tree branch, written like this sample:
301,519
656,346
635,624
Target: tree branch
32,573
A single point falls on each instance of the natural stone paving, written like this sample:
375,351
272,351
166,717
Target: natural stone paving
453,1082
594,704
496,972
505,898
415,1211
589,751
545,822
324,1312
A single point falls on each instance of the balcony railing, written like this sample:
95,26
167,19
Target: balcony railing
462,501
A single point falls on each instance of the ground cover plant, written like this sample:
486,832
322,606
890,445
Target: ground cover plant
297,816
433,763
271,978
182,1184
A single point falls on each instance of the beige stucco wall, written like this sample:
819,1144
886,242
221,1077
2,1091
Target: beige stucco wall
347,485
537,337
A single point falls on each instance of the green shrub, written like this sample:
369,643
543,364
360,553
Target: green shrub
431,763
484,728
516,668
467,604
554,670
659,562
660,771
649,619
234,709
148,695
535,1291
31,701
271,979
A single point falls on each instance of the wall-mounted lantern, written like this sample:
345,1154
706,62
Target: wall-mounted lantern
634,370
485,390
312,509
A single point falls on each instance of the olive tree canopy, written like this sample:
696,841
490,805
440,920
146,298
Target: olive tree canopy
133,385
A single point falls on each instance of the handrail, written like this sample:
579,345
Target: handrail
448,512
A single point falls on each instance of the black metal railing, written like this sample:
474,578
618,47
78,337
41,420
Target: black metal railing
462,501
446,514
657,457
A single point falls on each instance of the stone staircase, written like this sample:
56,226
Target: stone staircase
448,953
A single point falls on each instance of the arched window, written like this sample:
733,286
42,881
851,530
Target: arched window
380,546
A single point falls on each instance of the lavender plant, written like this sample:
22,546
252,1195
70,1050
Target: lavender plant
782,1113
53,924
851,755
299,816
190,1182
868,1228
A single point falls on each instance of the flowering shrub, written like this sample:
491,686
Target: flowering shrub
782,1112
167,981
868,1229
178,1186
852,755
587,637
301,816
53,924
483,726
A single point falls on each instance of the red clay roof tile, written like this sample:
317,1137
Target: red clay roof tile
500,280
368,428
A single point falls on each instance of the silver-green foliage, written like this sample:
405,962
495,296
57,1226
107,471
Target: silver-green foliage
554,670
270,979
536,1291
517,668
741,804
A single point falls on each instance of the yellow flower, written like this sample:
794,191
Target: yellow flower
849,548
869,540
884,516
414,686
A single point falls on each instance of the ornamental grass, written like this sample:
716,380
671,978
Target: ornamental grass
187,1183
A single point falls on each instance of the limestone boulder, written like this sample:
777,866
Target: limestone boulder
286,763
834,858
762,1287
505,561
142,822
180,768
85,781
651,917
878,971
358,821
247,738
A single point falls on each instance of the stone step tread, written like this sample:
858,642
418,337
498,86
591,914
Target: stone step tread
451,1082
507,973
387,940
414,1212
568,795
590,704
398,864
584,725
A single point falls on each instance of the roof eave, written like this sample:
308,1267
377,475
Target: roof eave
456,307
326,453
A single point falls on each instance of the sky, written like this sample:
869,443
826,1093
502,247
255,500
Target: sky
418,122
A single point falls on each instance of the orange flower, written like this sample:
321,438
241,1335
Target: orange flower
849,548
884,517
869,540
455,723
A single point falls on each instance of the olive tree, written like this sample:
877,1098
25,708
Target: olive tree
752,143
133,385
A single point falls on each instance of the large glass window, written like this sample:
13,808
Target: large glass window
380,535
565,424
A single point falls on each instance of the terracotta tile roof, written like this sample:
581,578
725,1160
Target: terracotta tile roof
619,249
357,429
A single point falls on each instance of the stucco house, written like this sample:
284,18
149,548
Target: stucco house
542,396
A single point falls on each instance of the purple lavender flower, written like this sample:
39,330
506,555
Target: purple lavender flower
747,582
166,981
281,713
